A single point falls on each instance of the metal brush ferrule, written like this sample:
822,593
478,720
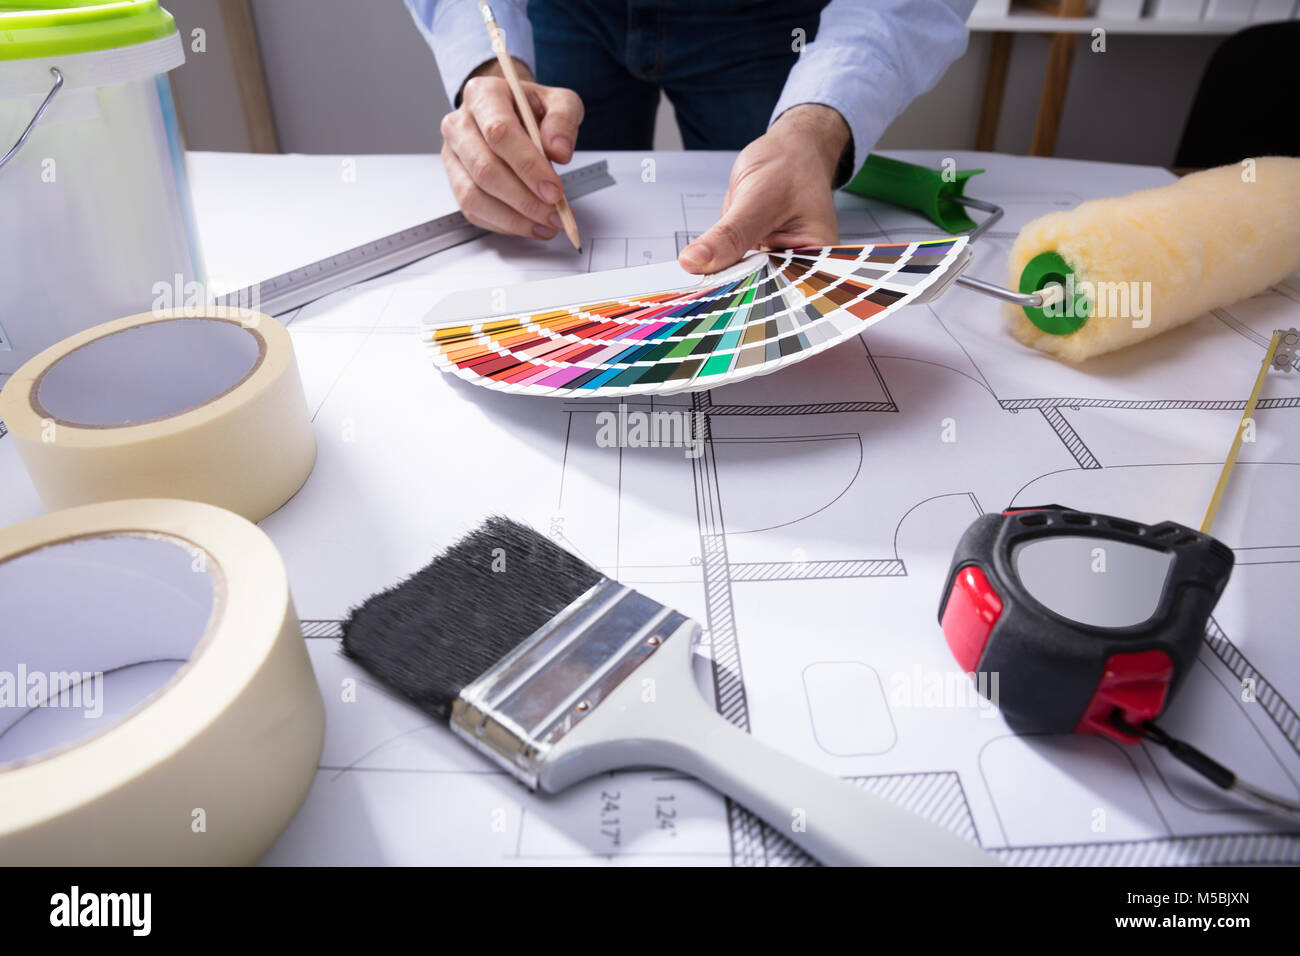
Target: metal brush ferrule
519,709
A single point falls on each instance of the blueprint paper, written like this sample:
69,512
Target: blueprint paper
810,537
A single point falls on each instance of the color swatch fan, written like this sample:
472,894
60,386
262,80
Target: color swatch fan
769,311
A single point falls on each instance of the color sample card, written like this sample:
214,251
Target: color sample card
777,309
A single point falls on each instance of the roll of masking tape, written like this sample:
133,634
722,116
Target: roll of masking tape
157,704
206,406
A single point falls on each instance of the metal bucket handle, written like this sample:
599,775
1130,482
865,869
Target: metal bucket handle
40,111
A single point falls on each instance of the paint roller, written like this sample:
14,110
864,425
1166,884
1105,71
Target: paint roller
1114,272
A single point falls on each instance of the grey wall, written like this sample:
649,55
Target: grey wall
1127,104
205,89
351,77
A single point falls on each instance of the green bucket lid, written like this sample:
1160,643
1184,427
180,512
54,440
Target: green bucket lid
44,28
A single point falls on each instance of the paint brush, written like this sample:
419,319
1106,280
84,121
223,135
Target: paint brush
557,673
525,111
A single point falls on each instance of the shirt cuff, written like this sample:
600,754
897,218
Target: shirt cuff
454,30
867,104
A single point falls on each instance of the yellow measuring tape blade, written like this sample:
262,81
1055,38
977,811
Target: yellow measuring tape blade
1246,416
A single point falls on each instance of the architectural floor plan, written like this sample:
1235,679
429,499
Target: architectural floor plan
809,532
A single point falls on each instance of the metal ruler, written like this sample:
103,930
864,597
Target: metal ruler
296,288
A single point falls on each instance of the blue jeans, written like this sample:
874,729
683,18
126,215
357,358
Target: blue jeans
722,64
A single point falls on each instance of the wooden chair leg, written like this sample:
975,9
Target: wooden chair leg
1056,81
250,76
995,82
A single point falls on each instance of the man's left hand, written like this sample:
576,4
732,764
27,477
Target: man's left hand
780,195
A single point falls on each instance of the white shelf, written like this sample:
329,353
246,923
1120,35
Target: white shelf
1031,21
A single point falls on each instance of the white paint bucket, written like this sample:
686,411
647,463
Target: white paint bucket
95,212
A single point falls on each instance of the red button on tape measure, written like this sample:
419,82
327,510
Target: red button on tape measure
969,615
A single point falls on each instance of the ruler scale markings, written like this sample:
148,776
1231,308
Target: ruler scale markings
298,287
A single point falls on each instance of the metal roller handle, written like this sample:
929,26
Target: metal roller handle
994,211
1033,300
40,111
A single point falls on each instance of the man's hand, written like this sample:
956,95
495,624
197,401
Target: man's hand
780,191
499,178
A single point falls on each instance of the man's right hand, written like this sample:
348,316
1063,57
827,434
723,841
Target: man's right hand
499,178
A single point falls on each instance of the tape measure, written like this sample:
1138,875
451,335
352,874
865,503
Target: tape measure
298,287
1081,615
1087,617
1091,622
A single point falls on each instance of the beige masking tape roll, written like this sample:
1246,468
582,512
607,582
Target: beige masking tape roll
157,704
204,405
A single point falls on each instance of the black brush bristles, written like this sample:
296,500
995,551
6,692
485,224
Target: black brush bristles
447,624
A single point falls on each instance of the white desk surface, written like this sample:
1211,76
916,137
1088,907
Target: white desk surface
828,589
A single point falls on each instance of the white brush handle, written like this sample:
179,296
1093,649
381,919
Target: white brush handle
657,718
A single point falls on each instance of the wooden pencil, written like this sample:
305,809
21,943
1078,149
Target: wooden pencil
526,111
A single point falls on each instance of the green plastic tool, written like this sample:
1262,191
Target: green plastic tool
940,196
937,195
1045,269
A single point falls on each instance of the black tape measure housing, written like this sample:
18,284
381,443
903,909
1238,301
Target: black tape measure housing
1054,671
